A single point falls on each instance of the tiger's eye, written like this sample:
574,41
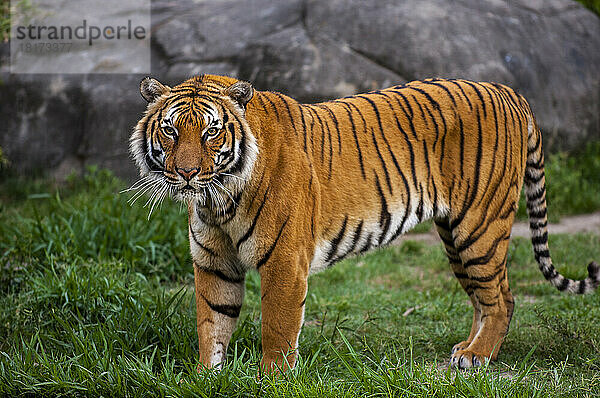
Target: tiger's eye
168,130
211,132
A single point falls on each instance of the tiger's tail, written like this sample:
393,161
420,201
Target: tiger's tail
535,192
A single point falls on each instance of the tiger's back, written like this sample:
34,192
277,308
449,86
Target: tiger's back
390,159
289,189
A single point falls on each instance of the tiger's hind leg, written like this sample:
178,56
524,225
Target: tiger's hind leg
484,253
443,229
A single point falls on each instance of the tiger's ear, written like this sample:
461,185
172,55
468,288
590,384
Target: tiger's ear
151,89
241,92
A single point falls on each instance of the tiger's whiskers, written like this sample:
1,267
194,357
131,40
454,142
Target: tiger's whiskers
233,175
227,191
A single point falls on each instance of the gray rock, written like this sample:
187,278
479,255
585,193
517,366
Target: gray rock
42,122
314,50
547,50
310,69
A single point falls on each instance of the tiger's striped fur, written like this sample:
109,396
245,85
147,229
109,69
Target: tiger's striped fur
288,189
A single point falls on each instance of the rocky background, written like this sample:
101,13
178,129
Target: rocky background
314,50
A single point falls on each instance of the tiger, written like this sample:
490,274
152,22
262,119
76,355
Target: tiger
289,189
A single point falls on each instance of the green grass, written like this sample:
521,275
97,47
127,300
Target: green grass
572,182
95,300
593,5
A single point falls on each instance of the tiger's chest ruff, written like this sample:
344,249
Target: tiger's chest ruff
232,241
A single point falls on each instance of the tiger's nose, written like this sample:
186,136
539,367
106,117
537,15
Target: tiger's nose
187,174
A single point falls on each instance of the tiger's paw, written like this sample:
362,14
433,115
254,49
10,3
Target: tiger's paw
460,346
466,359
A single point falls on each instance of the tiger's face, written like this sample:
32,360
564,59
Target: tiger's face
194,142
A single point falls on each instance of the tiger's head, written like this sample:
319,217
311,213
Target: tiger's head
194,142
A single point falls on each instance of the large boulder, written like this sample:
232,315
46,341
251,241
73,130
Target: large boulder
314,50
549,50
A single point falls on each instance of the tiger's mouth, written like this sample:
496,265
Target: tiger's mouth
208,191
187,188
188,193
195,185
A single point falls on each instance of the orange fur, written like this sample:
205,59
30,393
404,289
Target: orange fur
289,189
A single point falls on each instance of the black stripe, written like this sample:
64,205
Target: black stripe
219,274
488,278
355,239
356,236
383,165
385,217
375,110
487,256
539,254
336,240
367,245
530,179
462,147
411,153
448,242
268,253
538,166
360,157
404,180
474,86
410,109
320,124
254,221
538,225
255,193
463,93
421,111
453,259
419,212
442,87
435,126
409,118
435,106
582,286
206,249
477,169
230,310
394,160
487,304
535,197
151,163
266,97
287,107
324,127
493,105
312,210
538,213
435,198
241,160
427,165
564,284
304,130
337,127
536,147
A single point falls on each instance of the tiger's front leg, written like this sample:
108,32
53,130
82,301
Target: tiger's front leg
219,285
218,303
283,296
